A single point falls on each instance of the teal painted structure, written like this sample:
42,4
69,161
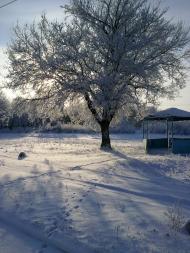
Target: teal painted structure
181,145
155,144
170,144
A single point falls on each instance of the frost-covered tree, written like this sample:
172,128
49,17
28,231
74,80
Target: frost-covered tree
33,113
108,52
4,110
79,114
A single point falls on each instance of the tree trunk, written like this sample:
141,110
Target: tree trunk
105,134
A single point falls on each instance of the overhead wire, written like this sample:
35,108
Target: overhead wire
8,3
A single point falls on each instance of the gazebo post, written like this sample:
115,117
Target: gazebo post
143,128
167,132
147,130
172,130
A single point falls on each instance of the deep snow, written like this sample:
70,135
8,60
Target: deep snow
81,199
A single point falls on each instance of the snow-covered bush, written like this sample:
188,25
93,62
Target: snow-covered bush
175,217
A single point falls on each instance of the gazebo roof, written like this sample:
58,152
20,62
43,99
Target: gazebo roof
171,114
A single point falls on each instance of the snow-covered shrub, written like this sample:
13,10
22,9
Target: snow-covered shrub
175,217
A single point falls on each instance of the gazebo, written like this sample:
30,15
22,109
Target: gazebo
171,143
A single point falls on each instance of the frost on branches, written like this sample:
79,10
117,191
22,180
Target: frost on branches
111,53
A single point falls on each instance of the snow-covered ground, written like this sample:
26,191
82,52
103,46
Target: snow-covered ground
14,241
69,196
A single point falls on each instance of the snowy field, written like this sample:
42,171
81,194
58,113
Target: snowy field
69,196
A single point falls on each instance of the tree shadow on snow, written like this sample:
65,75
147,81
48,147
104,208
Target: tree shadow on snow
152,179
39,200
95,211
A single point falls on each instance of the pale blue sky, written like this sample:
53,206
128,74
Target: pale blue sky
27,10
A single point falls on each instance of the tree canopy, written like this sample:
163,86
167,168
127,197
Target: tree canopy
109,52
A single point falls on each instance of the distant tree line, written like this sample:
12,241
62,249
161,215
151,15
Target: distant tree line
50,115
22,113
